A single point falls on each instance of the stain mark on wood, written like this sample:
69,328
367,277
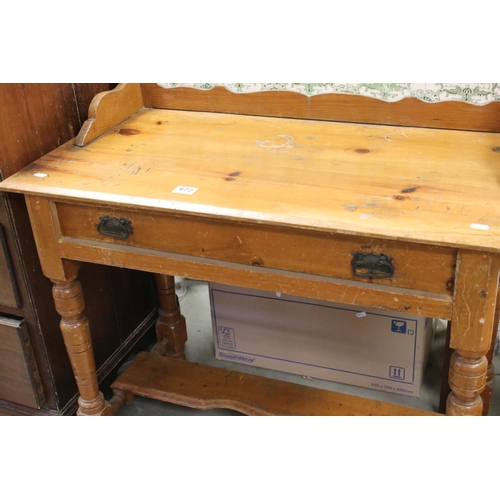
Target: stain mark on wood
257,261
450,284
289,140
232,176
128,131
395,136
410,190
496,149
400,198
363,151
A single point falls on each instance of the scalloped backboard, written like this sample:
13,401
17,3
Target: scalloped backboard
474,93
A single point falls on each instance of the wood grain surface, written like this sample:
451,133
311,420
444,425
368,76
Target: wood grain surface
265,191
409,184
109,108
205,387
421,267
409,112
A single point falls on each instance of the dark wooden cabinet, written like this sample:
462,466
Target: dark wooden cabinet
35,373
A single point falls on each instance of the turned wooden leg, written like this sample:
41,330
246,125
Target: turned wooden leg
473,319
120,399
490,374
488,389
68,299
445,384
171,330
467,382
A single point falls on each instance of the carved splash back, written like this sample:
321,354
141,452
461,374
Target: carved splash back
462,106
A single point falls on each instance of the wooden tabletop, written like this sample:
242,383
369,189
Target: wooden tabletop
423,185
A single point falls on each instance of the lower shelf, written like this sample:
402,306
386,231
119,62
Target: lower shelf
205,387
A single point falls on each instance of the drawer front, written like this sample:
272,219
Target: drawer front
8,291
391,263
19,378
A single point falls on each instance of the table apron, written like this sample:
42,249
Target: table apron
415,266
274,280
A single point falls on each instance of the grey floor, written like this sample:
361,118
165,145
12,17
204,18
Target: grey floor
199,348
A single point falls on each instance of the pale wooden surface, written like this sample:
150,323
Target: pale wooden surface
108,109
419,185
474,307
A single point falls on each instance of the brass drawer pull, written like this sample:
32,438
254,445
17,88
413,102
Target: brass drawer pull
114,227
372,265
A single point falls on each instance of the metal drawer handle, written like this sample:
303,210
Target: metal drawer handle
114,227
372,265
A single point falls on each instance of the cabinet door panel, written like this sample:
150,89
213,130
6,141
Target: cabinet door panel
19,379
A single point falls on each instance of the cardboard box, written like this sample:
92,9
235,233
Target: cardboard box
372,348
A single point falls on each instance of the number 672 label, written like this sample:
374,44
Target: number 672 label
185,190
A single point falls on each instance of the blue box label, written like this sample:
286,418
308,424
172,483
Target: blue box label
398,326
397,373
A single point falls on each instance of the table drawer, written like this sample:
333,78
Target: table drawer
392,263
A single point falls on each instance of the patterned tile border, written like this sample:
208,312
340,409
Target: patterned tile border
474,93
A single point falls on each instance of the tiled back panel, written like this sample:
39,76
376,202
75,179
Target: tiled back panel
474,93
